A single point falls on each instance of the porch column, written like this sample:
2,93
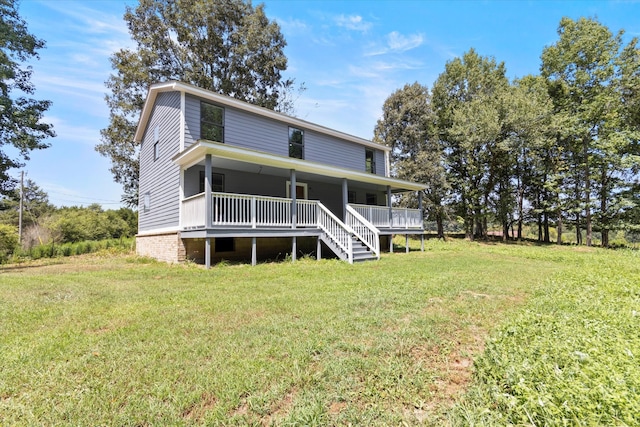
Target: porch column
319,249
294,248
406,243
207,253
207,192
292,193
389,205
420,208
254,254
345,197
207,209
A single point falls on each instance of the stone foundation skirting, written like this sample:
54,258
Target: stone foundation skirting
166,247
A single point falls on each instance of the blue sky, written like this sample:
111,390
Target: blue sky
351,55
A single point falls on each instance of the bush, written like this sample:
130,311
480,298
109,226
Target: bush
8,241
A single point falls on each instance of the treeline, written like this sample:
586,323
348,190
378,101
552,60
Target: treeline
556,150
46,227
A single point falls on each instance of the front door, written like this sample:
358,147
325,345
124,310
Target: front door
301,190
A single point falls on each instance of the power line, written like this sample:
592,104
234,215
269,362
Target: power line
82,197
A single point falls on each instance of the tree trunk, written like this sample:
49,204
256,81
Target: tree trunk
520,208
578,231
559,241
587,191
546,228
440,226
605,238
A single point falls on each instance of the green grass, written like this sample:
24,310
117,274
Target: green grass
121,340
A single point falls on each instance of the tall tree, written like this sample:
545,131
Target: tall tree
227,46
468,100
407,126
20,116
584,69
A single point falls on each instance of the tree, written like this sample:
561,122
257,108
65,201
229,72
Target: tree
468,100
20,116
407,126
35,201
227,46
584,68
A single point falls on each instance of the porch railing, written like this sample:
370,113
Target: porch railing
400,217
364,230
336,231
243,210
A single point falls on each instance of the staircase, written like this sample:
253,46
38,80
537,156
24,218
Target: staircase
349,244
361,252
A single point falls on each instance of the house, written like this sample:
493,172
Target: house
224,179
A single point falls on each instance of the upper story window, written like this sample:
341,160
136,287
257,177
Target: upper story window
370,161
211,122
296,143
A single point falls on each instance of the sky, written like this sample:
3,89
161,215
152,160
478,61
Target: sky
350,56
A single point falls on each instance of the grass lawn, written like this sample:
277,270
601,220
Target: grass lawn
121,340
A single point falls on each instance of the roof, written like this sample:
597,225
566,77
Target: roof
174,86
197,151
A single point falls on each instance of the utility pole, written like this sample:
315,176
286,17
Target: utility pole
21,206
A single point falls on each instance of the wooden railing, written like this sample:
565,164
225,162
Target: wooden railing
336,230
400,217
243,210
364,230
193,211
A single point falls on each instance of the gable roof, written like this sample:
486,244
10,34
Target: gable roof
174,86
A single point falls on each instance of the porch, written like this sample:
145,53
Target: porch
356,237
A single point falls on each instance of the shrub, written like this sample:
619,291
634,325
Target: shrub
8,241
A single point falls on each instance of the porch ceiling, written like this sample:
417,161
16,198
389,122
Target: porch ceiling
247,160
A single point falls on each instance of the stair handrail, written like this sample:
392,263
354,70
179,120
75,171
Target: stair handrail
339,232
364,230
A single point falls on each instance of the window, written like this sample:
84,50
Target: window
296,143
372,199
351,196
370,161
146,202
224,244
156,143
211,122
217,182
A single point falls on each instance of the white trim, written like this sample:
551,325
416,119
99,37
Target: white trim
183,120
304,185
387,164
196,152
181,195
241,105
168,230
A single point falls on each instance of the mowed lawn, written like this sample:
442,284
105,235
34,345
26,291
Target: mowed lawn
121,340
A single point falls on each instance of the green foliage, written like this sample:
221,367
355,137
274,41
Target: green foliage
20,116
73,224
8,241
570,358
53,250
228,46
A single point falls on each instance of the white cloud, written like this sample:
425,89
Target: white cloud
397,43
352,22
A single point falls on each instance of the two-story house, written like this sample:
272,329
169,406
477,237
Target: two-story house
224,179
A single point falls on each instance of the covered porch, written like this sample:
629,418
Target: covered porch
233,191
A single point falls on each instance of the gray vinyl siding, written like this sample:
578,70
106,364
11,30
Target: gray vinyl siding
248,130
160,178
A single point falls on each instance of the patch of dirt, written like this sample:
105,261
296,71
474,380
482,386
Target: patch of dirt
337,407
197,411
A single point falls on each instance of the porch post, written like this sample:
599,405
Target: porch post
406,243
422,242
294,248
319,250
254,257
207,192
345,197
420,208
389,205
207,209
207,253
292,193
